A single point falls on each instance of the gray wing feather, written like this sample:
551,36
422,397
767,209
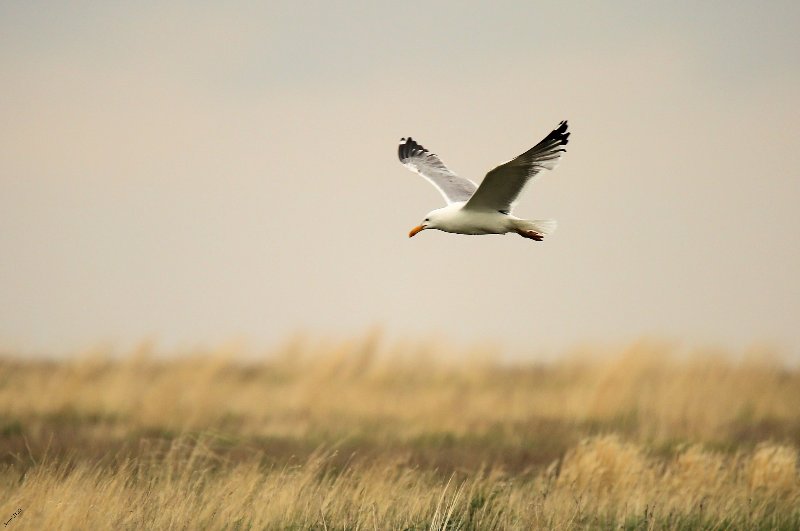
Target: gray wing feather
501,186
418,159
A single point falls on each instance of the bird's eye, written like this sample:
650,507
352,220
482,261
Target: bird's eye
427,219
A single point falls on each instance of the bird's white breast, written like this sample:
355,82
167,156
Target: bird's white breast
455,219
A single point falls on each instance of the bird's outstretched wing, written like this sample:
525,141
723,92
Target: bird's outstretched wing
418,159
502,185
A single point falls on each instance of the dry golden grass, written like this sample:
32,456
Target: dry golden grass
360,435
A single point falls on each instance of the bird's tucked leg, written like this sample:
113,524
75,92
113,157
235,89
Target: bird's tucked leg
533,235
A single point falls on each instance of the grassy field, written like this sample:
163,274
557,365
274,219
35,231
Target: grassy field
364,435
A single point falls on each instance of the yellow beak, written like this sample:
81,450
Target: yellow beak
415,230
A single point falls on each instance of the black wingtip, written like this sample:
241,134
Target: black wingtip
408,148
560,134
402,148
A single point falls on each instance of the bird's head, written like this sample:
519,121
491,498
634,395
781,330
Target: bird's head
428,223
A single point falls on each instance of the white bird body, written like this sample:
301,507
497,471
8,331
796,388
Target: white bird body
485,209
453,218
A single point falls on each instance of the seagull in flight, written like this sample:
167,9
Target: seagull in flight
485,209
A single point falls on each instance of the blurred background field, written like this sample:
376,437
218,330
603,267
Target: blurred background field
367,434
200,171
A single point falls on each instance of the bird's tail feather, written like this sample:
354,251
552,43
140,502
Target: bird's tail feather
539,226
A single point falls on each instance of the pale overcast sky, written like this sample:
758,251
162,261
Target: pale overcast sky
194,173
